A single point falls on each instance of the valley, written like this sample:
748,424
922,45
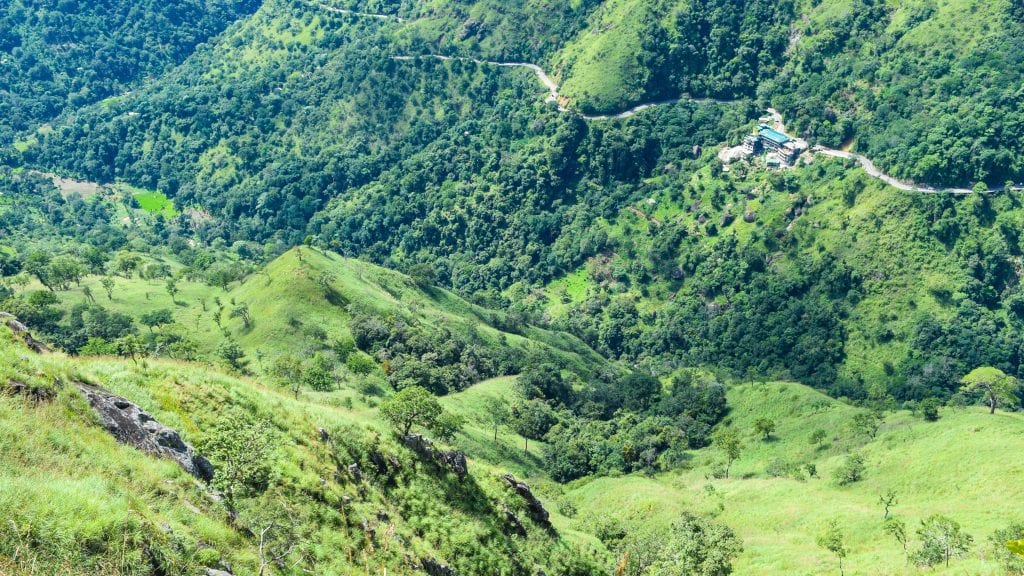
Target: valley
534,288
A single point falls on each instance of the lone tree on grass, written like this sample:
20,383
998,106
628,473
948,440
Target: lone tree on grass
242,312
888,500
941,539
287,372
172,288
415,406
496,413
832,539
898,530
532,419
278,532
233,354
130,347
108,285
242,450
765,427
996,387
728,441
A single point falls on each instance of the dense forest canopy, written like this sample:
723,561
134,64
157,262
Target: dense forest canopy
60,55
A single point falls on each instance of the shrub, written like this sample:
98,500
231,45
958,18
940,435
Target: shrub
852,470
929,408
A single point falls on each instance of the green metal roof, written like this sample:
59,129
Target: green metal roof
773,135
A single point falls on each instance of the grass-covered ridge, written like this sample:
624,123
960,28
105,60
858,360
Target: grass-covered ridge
77,501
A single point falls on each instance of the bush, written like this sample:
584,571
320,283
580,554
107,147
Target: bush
360,363
929,408
852,470
1010,562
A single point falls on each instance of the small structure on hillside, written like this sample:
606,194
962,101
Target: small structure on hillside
787,148
779,148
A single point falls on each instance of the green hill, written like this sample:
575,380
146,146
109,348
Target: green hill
289,211
956,467
76,501
304,302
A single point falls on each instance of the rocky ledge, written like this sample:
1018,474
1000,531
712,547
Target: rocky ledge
132,425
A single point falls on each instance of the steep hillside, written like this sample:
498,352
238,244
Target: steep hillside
309,301
76,501
820,273
60,56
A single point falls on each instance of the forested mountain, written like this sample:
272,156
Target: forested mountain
60,55
522,220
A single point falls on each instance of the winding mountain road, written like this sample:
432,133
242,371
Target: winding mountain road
553,96
354,12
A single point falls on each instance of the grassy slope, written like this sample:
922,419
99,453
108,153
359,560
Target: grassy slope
286,290
957,467
73,493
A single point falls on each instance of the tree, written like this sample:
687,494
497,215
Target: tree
941,540
319,375
37,263
412,406
817,437
728,441
172,288
156,318
532,419
242,451
423,275
242,311
866,423
108,285
277,529
831,539
887,500
233,354
496,413
126,263
898,530
850,471
447,425
694,546
995,386
765,427
929,408
324,282
130,347
87,292
287,372
545,381
64,270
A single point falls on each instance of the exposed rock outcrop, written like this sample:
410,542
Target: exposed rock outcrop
513,524
435,568
451,460
534,507
22,331
33,393
132,425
